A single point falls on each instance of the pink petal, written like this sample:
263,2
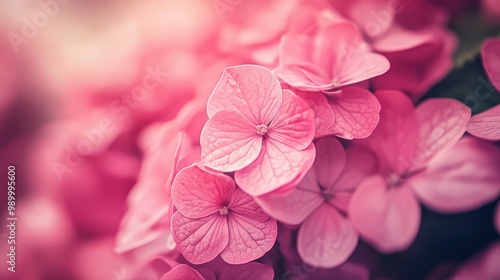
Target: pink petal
394,138
374,16
326,239
294,124
482,266
249,238
330,161
197,193
360,164
200,240
486,125
297,67
229,142
251,90
343,51
277,166
182,272
251,270
463,178
244,205
356,112
324,117
388,218
294,207
491,60
442,123
399,39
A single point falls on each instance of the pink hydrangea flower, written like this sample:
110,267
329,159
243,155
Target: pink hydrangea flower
486,125
352,112
491,60
326,237
421,158
257,129
335,56
214,217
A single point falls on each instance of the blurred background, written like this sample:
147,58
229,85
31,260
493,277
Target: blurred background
82,80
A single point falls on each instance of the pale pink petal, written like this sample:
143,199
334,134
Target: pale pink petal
229,142
330,161
463,178
491,60
357,112
395,137
294,124
442,123
398,38
251,90
277,166
360,164
182,272
388,218
197,193
244,205
297,67
251,270
324,118
351,61
249,239
294,207
326,239
486,125
374,16
200,240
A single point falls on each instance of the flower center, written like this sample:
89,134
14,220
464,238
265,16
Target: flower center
394,180
336,82
261,129
327,196
224,211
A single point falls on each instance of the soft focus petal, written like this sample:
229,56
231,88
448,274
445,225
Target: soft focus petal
388,218
182,272
253,270
330,161
460,179
398,38
277,166
491,60
229,142
442,123
197,193
326,239
200,240
482,266
249,239
356,112
294,123
294,207
251,90
486,125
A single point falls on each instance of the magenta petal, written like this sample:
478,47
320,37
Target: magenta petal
330,161
277,166
324,118
482,266
229,142
360,164
251,90
326,239
387,218
253,270
357,112
294,207
294,124
200,240
486,125
491,60
249,238
197,193
463,178
182,272
442,123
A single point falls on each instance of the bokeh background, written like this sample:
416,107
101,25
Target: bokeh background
82,81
